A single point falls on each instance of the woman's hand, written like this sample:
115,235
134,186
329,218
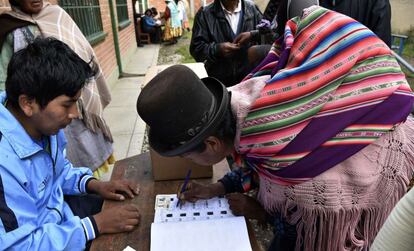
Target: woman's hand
243,205
114,190
195,191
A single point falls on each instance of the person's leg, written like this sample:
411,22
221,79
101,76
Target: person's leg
284,235
154,33
157,34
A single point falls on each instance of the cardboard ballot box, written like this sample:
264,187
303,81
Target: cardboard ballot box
174,168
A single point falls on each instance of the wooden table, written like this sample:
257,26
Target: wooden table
138,168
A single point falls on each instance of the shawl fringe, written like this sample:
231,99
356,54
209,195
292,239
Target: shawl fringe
349,224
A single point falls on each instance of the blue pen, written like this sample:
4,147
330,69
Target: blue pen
187,178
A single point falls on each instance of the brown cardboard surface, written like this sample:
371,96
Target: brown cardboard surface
174,168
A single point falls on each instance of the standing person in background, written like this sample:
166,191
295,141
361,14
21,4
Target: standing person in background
89,137
271,9
173,28
374,14
212,42
267,32
183,15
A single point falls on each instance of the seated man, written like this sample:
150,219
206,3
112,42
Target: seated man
43,84
151,26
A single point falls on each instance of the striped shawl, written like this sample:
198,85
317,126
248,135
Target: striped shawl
334,89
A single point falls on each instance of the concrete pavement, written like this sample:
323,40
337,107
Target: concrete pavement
121,115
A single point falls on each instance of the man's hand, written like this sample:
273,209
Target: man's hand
117,219
227,49
243,39
196,191
114,190
243,205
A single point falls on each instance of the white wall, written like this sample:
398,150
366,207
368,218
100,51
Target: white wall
402,17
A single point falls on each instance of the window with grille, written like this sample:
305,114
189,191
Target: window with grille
87,15
122,13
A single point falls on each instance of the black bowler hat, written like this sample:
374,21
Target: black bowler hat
181,109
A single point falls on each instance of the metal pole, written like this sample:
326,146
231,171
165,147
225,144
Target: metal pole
122,74
116,39
403,62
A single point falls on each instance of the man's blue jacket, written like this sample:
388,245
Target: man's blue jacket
33,214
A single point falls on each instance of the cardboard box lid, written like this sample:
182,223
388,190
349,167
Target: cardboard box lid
174,168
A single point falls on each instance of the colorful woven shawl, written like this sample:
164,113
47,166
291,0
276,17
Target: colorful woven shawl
335,88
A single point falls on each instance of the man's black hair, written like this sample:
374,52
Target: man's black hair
154,11
226,131
148,10
44,70
13,2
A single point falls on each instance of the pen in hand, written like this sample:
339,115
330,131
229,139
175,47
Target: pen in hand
184,187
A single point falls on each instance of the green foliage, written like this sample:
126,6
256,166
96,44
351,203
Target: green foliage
408,54
185,52
409,45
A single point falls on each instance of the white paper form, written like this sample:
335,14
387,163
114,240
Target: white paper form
226,234
203,225
166,209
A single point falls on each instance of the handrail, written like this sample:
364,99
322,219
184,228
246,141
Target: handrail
399,36
403,62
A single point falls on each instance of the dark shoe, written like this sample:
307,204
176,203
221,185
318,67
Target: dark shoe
140,45
171,42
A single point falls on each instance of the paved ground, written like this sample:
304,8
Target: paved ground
127,128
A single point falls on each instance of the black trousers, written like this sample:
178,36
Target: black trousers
84,206
155,33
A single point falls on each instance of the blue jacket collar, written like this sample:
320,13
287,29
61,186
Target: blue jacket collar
16,135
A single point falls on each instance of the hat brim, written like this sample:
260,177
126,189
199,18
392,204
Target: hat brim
222,101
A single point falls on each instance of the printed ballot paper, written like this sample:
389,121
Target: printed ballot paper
203,226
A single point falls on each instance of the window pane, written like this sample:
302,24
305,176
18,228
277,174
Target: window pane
122,10
86,14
